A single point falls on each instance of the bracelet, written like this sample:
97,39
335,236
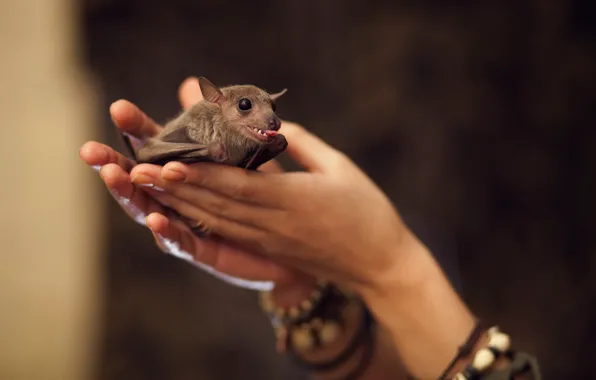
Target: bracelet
368,344
498,344
465,349
318,321
362,335
295,314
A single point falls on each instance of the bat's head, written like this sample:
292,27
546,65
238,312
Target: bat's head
247,109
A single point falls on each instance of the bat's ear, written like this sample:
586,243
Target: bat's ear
274,97
210,91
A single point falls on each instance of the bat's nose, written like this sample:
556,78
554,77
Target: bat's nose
274,124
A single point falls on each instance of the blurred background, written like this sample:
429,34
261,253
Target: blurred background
476,117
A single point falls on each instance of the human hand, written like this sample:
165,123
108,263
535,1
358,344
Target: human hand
331,221
173,236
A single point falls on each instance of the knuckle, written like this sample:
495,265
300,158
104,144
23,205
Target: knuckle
196,176
240,189
213,225
215,204
264,246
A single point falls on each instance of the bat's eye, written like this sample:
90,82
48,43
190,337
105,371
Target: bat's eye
273,107
244,104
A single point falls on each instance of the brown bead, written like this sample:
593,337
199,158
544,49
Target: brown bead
302,339
267,304
306,305
315,295
317,323
294,312
280,312
329,332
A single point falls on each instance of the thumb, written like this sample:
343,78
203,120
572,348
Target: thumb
189,92
308,150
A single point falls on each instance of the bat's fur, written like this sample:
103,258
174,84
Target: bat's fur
217,130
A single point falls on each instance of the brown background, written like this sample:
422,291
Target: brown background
477,118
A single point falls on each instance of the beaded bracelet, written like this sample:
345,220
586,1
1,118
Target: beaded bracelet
317,322
466,348
361,335
294,314
498,344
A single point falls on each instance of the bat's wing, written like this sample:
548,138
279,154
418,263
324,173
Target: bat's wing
128,145
160,152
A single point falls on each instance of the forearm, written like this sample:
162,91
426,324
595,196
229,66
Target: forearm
426,318
373,359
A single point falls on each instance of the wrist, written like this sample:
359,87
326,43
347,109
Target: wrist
415,302
411,269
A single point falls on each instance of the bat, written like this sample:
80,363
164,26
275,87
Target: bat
233,125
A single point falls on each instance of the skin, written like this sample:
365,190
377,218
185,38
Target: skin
135,201
278,226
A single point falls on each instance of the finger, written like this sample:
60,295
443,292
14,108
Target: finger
215,256
97,155
189,92
135,202
130,119
232,230
214,203
203,200
162,229
308,150
244,186
271,167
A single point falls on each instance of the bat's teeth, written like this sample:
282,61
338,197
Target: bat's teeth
259,131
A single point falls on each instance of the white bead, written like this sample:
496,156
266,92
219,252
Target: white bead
483,359
493,330
500,341
459,376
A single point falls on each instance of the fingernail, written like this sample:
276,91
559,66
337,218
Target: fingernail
173,175
151,186
142,179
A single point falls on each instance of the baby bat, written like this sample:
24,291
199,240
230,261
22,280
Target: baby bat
233,125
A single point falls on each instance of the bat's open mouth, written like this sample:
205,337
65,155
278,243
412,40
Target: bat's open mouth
261,134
